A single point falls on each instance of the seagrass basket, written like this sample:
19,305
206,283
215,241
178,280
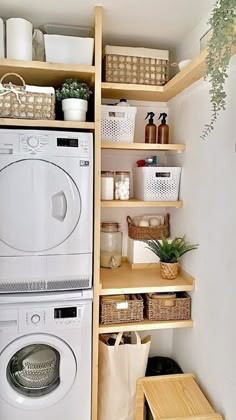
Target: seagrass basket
166,308
116,311
24,101
149,232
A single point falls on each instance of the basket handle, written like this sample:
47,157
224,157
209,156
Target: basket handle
13,74
119,336
169,302
129,220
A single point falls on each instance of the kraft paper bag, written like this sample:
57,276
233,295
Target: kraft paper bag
119,368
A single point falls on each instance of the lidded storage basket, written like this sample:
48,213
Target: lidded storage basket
136,65
26,101
156,183
163,307
114,309
118,123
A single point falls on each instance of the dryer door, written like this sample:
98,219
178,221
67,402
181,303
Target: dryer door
36,371
40,205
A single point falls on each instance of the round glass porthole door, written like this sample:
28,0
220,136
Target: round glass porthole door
34,370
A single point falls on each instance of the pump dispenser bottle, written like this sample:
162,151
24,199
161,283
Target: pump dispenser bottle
163,130
150,129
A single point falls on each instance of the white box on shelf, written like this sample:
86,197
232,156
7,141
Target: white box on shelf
118,123
156,183
138,253
69,49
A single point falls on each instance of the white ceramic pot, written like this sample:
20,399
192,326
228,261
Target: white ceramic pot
74,109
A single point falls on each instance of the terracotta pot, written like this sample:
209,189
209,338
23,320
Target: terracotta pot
169,271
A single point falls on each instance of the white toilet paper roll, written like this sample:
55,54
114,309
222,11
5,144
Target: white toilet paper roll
19,39
2,47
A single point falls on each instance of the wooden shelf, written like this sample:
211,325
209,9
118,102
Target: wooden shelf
143,146
133,202
46,74
47,124
145,325
126,280
185,78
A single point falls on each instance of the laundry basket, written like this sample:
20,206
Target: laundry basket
156,183
118,123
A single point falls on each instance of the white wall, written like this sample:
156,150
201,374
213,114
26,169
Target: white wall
209,218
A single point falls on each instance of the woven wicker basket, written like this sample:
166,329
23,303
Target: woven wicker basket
113,311
169,271
125,65
150,232
161,309
18,102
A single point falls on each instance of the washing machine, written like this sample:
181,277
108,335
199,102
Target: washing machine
45,356
46,211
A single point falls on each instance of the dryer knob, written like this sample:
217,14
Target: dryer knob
33,142
35,319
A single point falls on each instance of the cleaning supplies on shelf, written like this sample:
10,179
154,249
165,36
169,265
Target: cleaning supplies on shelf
150,129
122,102
163,130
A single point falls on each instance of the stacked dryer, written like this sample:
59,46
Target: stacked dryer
46,231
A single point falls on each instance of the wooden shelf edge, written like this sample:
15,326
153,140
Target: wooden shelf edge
150,289
145,326
46,66
47,123
139,203
143,146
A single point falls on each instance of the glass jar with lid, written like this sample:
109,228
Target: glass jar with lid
111,245
107,185
122,185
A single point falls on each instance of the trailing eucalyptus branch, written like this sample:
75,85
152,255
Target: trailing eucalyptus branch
223,24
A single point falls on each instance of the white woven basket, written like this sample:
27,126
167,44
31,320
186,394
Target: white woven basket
156,183
118,123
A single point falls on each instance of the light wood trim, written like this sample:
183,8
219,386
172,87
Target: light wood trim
139,402
133,202
213,416
166,377
132,92
143,146
125,280
145,325
97,209
46,123
46,74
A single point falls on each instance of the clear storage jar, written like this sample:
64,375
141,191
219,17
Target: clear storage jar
111,245
122,185
107,185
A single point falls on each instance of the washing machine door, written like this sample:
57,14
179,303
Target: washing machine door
36,371
40,205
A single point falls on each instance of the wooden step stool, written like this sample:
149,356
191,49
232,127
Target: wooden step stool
173,397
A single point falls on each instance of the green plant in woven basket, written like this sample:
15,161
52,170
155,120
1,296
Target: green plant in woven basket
73,88
223,39
170,252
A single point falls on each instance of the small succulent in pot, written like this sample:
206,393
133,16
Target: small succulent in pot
169,253
74,96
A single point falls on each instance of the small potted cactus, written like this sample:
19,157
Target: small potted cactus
74,96
169,253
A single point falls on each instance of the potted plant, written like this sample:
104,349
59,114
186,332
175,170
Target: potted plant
74,96
169,254
220,46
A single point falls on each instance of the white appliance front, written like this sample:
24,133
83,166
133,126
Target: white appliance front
45,357
46,210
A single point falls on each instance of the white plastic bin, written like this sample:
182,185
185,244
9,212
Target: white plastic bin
118,123
69,49
156,183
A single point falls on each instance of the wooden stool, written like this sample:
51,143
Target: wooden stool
175,397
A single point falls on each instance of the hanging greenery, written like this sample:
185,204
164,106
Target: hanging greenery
223,39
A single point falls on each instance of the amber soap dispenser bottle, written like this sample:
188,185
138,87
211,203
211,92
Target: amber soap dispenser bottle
150,129
163,130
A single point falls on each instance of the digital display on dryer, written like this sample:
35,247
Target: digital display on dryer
70,312
67,142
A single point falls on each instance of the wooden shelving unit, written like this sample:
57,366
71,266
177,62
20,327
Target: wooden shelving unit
133,202
144,326
47,74
8,122
127,280
144,146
